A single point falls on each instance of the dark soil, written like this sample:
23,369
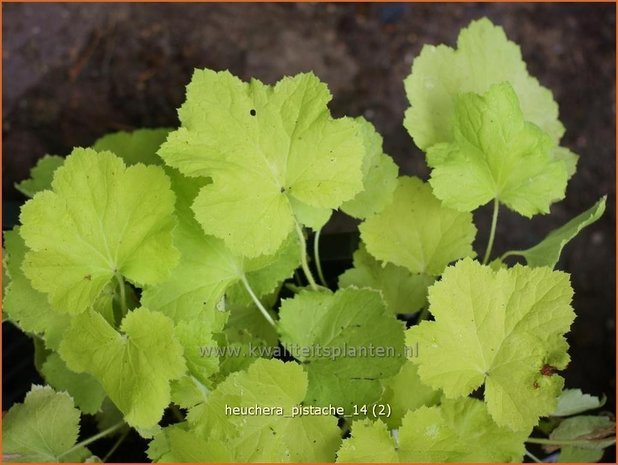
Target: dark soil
73,72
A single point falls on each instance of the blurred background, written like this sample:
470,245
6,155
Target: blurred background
73,72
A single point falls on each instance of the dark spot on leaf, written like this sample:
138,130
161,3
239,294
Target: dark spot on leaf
548,370
253,112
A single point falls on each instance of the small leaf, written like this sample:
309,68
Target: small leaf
573,401
547,252
593,432
370,442
42,429
87,391
402,291
379,176
405,392
177,444
134,147
135,367
41,175
415,231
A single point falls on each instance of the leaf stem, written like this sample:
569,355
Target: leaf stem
316,255
492,232
87,441
123,295
557,442
303,257
116,445
257,302
511,253
533,457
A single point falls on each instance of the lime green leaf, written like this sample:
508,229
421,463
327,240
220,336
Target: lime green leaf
379,176
240,350
42,429
263,146
188,392
207,268
573,401
175,444
246,318
134,147
405,392
261,437
495,154
101,219
41,175
484,57
503,329
196,337
415,231
134,367
591,432
568,158
23,305
547,252
85,390
312,217
402,291
457,431
348,342
370,442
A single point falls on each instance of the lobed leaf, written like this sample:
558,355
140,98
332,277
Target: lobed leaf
102,219
502,329
134,367
417,232
274,154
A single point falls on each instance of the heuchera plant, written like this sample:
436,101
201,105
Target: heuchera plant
148,270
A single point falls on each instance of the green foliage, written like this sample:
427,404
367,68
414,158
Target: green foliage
456,431
259,438
417,232
158,275
497,328
484,57
547,252
496,154
573,401
42,429
402,291
40,176
333,336
134,366
101,219
272,152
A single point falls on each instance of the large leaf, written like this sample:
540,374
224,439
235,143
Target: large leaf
502,329
274,154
